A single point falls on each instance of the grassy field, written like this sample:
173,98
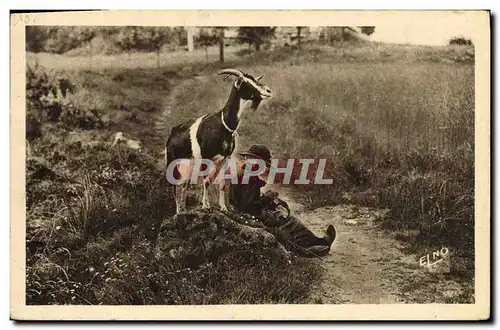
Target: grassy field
395,123
135,60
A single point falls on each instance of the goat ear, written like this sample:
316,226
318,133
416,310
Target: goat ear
259,78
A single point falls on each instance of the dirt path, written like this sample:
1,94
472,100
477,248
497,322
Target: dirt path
366,264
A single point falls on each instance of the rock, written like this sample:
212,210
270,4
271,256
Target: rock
351,222
133,144
193,237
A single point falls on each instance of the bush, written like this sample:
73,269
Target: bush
35,38
107,198
48,100
460,41
244,52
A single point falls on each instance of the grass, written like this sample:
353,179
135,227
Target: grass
395,124
92,233
97,62
91,240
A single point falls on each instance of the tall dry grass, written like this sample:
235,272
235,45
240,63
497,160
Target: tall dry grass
400,107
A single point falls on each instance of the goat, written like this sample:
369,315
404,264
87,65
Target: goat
212,136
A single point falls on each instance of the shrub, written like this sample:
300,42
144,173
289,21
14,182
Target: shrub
460,41
244,52
109,195
48,100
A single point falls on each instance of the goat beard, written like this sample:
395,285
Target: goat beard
255,103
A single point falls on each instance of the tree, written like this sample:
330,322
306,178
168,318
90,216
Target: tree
255,35
210,37
179,36
35,39
460,41
190,39
59,39
85,35
126,37
368,30
142,38
220,33
299,30
206,38
345,33
156,37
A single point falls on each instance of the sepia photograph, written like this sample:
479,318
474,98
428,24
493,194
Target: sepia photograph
313,161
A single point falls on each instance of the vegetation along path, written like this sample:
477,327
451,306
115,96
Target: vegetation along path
366,264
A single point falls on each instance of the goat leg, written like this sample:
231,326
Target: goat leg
177,193
180,197
205,200
222,195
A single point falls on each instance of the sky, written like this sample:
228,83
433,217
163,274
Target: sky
424,33
417,35
434,29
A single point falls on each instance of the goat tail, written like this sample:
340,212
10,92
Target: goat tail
172,173
169,157
170,187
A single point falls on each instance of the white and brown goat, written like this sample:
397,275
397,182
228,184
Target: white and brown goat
212,137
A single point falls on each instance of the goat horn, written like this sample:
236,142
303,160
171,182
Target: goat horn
233,72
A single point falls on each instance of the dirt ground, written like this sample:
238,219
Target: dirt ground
367,265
